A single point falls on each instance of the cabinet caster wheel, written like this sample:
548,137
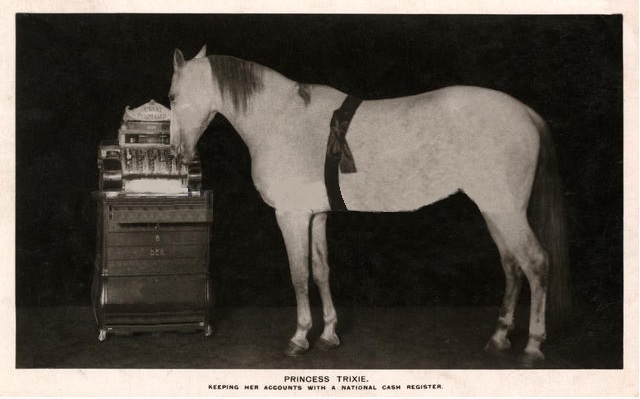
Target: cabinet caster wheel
208,330
102,335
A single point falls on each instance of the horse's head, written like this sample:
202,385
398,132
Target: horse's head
192,102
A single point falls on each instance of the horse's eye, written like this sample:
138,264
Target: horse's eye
172,98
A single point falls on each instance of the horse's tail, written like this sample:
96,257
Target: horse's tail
547,218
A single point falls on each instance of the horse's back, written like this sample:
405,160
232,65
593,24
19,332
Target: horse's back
413,151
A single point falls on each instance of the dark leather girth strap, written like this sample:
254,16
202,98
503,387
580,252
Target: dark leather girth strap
338,152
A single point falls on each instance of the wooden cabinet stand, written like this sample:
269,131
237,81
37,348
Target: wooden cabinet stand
152,264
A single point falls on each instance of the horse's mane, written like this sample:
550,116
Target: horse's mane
237,78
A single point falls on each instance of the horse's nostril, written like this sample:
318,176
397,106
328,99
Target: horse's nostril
186,159
175,151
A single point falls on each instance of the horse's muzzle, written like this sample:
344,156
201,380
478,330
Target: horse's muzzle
186,159
183,156
175,151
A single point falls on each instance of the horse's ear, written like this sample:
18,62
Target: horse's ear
178,59
202,53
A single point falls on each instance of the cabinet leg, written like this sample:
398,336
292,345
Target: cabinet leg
208,330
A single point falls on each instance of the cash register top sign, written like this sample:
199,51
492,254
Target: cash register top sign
149,112
145,125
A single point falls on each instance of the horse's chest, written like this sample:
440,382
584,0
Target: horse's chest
290,178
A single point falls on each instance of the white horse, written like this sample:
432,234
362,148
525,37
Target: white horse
409,152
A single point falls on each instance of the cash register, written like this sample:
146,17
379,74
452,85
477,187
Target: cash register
153,232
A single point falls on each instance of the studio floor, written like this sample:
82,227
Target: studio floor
254,338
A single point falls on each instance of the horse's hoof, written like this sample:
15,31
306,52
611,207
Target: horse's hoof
531,359
294,349
326,345
497,348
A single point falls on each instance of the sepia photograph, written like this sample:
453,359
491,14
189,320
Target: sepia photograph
333,203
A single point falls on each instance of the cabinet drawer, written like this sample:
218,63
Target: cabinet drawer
129,267
161,236
152,226
155,293
157,252
148,212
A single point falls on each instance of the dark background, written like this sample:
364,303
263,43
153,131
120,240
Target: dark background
76,73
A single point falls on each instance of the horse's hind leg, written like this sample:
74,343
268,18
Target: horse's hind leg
520,251
295,231
513,281
320,266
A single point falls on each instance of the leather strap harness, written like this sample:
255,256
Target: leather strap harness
338,152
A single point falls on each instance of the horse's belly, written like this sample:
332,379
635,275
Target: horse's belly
395,187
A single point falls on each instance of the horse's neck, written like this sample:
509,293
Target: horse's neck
265,108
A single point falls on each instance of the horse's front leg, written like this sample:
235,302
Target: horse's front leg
320,266
295,231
